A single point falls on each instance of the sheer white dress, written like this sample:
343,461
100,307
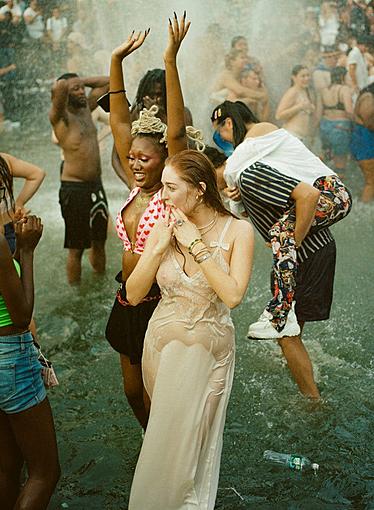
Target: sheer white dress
188,366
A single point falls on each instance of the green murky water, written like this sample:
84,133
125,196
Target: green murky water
99,439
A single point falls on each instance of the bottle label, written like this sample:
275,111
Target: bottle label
296,463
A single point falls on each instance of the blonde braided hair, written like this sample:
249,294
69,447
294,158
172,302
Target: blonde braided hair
149,123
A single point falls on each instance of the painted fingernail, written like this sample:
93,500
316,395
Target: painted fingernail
175,16
169,21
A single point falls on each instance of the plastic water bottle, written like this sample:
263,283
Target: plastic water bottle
294,462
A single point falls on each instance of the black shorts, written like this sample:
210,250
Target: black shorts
84,208
315,285
128,324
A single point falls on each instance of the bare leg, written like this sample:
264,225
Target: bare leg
340,163
97,256
299,363
34,433
74,265
367,167
11,462
134,390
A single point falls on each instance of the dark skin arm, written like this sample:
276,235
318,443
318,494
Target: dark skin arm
18,293
99,86
120,120
177,138
58,111
116,164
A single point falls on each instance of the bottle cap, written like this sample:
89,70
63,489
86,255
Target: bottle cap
315,466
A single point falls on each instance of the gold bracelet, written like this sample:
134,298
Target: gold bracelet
203,257
200,252
193,243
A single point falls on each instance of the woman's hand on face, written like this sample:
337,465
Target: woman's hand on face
28,232
133,42
177,32
184,230
163,231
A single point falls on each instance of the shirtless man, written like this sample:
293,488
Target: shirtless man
82,197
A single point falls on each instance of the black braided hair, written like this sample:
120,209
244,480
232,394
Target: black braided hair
6,179
147,85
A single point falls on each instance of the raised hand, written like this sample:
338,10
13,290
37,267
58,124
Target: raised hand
133,42
28,232
177,32
183,229
162,233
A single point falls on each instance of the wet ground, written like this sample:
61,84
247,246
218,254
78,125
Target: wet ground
99,440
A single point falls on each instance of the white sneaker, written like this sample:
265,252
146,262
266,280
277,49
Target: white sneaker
264,329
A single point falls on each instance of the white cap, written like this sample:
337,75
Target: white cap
315,466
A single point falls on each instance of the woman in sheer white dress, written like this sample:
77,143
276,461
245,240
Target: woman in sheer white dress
201,257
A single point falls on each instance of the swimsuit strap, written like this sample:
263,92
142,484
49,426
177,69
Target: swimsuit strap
220,243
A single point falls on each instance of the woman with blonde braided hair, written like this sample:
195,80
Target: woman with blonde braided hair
143,147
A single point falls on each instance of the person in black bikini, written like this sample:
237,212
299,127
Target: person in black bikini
336,125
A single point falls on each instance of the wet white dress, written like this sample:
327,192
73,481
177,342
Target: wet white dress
188,365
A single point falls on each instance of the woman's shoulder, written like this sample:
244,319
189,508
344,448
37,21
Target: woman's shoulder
260,129
241,228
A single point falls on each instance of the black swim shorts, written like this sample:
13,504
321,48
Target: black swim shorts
315,285
84,208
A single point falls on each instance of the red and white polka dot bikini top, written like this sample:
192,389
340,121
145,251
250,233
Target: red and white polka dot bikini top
155,210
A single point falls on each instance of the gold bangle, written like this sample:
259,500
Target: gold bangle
203,250
193,243
203,258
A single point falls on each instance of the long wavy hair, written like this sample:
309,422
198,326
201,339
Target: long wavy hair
195,168
6,179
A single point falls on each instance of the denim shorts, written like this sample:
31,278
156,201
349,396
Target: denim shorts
362,145
336,136
21,383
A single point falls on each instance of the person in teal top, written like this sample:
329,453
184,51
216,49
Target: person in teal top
27,434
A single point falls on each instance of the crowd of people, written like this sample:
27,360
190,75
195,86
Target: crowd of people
187,231
336,64
37,39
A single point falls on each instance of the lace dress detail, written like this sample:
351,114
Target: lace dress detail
188,365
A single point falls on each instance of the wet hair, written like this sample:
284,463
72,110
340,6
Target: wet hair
295,71
240,115
147,85
338,74
67,76
196,168
232,55
216,157
236,39
7,181
248,69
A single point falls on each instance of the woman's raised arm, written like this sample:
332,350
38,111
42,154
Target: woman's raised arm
177,138
120,121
